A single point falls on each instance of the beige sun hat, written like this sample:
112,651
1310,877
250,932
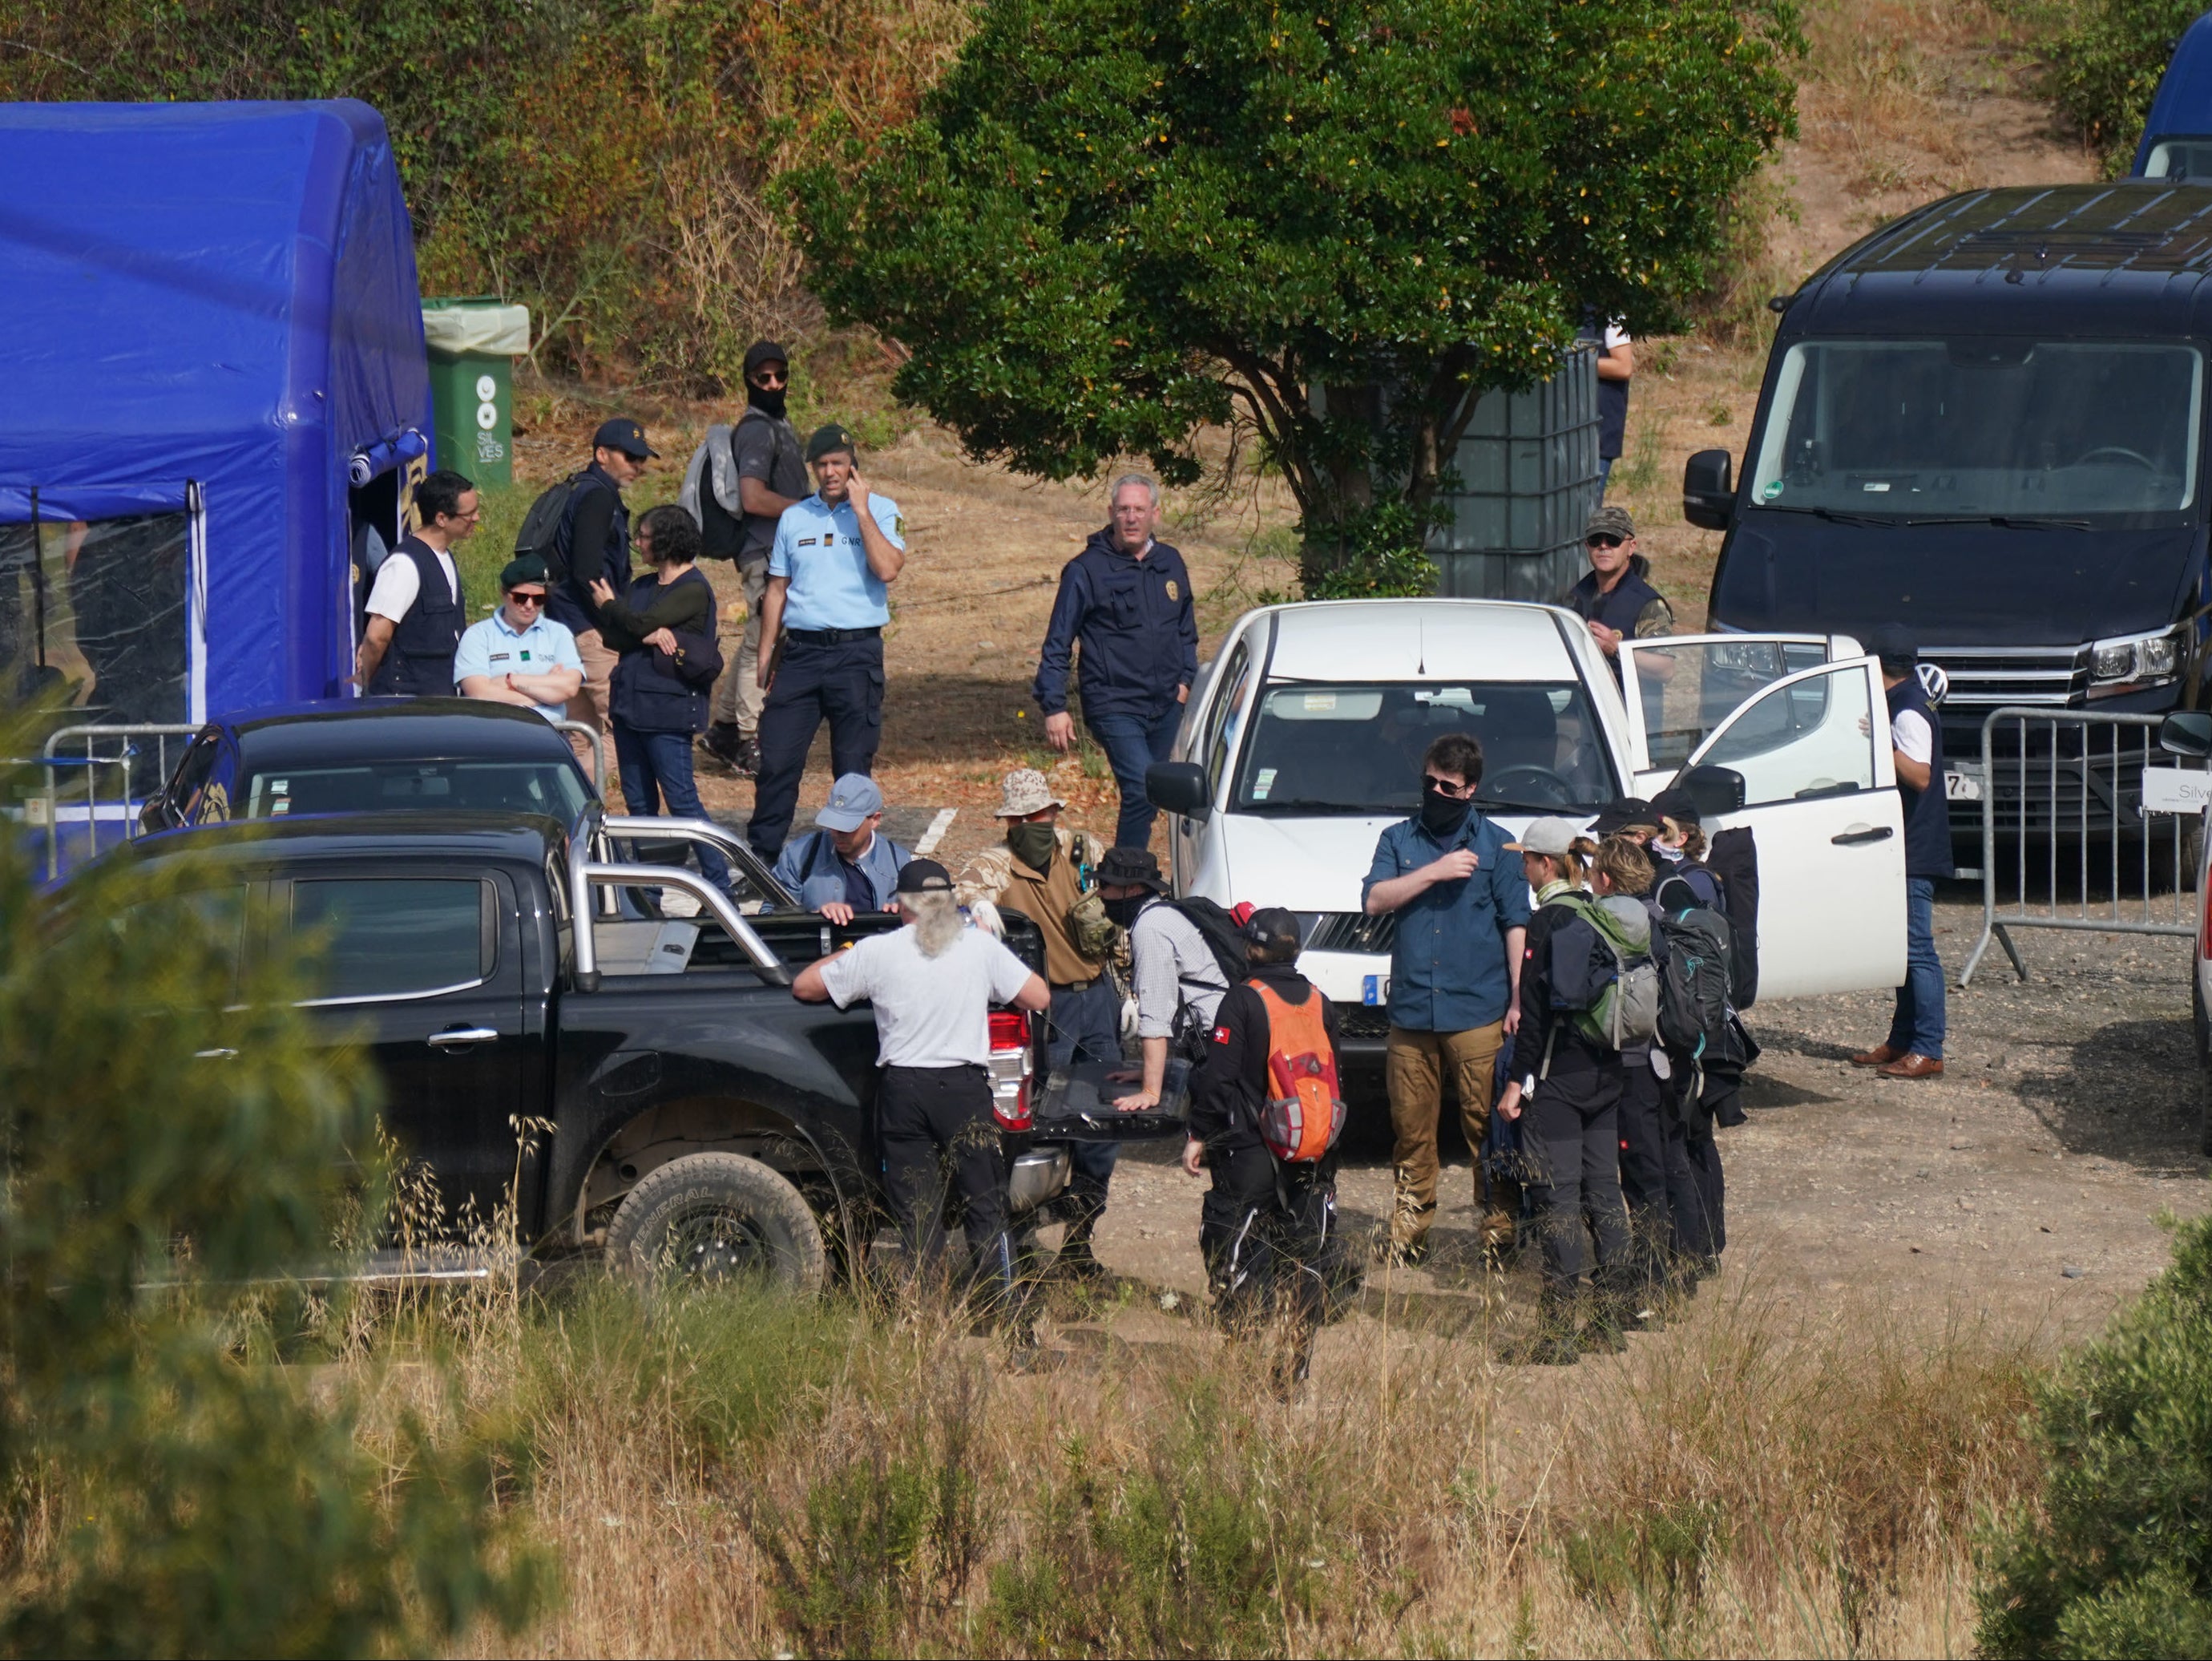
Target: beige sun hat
1023,792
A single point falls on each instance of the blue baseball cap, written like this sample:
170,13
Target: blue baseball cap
852,799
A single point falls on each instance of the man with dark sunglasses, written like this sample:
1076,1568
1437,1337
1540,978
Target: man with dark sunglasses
517,655
1616,597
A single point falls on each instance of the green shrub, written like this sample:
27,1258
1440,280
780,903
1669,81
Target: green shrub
2114,1556
2104,61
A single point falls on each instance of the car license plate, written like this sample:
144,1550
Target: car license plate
1962,784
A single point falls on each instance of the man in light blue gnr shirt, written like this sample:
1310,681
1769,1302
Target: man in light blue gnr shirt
835,555
517,655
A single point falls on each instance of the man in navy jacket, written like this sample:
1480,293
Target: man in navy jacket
1127,599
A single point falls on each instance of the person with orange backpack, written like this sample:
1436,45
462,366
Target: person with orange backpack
1267,1111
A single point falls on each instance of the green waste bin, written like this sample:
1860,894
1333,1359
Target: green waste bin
473,345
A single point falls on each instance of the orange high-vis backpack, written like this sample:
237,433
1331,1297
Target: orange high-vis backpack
1305,1112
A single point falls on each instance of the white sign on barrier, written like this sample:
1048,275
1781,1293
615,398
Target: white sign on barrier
2176,790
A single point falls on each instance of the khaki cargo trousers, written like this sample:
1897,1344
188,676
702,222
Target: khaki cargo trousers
1414,1065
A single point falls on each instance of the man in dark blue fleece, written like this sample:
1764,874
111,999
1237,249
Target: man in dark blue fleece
1127,599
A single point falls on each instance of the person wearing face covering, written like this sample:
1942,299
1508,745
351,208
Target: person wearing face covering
1461,909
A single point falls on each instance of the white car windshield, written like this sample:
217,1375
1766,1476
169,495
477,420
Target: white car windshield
1353,748
1982,428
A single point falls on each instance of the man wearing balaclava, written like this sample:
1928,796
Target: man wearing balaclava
1461,904
770,475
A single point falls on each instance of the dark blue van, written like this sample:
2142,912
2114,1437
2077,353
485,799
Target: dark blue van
1987,421
2177,141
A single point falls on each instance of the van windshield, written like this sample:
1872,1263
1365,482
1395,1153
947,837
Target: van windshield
1352,748
1977,427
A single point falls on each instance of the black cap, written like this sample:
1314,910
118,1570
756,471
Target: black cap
524,568
1620,815
1897,646
924,877
765,351
1275,931
1678,805
828,439
1125,865
624,434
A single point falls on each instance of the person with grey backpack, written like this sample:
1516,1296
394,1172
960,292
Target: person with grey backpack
1587,989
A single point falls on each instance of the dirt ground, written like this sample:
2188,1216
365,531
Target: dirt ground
2025,1185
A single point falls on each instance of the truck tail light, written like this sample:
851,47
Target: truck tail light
1010,1069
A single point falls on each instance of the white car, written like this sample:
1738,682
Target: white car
1303,740
2188,733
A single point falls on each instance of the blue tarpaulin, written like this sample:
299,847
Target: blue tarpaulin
209,305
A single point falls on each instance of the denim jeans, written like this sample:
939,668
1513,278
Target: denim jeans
1916,1029
1086,1026
656,769
1133,744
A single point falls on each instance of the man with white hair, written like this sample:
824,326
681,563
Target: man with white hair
932,983
1126,600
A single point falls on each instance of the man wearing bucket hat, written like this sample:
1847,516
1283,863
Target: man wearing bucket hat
1043,872
849,849
829,570
1175,975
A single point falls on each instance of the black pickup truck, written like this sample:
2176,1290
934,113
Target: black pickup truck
678,1108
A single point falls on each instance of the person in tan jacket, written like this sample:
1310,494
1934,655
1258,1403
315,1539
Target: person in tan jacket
1041,871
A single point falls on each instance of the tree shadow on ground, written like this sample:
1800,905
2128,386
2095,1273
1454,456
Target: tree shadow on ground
2132,1092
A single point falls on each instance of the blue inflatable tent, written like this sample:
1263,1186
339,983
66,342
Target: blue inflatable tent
2177,141
212,390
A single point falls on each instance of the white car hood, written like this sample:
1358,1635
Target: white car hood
1307,864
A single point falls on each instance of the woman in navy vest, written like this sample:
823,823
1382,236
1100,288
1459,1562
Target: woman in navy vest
1914,1048
664,629
416,610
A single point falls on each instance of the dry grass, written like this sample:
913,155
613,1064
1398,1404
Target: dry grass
722,1473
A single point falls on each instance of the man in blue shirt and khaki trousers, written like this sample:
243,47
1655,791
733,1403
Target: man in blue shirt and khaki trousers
835,556
1462,905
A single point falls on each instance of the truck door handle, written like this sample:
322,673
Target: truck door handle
458,1036
220,1055
1862,833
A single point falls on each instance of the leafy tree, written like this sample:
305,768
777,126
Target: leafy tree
1115,223
175,1146
2115,1556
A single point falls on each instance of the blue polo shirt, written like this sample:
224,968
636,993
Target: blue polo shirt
1447,971
818,547
490,648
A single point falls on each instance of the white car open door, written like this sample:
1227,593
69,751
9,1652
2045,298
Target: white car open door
1819,793
1679,688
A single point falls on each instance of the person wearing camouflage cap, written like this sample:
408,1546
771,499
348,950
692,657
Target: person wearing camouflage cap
517,655
1615,598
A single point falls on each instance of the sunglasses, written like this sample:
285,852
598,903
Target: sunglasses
1442,787
769,378
1603,542
521,598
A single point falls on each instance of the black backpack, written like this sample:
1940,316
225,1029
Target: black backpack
1695,1023
1734,858
541,529
1222,935
721,532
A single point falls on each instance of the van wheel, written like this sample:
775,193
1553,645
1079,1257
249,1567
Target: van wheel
719,1217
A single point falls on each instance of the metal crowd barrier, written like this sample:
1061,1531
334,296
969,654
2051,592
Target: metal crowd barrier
92,812
584,729
2063,799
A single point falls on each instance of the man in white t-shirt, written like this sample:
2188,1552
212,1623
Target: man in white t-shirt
1616,367
932,983
417,611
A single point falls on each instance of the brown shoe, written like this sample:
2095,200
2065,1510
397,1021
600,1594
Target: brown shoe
1881,1056
1913,1066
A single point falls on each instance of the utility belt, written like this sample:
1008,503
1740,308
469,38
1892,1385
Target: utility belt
1073,986
832,636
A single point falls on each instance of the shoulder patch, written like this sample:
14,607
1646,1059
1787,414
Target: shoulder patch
1221,1035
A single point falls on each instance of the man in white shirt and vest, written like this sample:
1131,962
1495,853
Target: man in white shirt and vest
416,610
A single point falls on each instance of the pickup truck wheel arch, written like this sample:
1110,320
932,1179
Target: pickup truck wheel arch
712,1215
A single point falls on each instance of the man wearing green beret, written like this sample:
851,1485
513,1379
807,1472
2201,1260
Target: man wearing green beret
517,655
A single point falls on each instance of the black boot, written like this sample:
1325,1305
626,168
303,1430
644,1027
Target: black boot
1076,1261
724,743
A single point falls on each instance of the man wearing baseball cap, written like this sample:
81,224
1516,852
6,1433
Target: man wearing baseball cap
592,545
1616,597
829,570
931,984
849,846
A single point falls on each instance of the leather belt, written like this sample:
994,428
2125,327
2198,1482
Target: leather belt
831,637
1072,986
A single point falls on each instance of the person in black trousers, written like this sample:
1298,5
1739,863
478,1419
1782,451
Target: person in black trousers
1266,1227
663,629
1565,1091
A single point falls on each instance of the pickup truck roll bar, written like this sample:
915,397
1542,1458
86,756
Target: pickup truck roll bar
587,875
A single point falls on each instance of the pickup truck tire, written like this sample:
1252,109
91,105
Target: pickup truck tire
712,1216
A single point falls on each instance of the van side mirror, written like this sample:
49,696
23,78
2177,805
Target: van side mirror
1716,790
1708,488
2186,733
1178,787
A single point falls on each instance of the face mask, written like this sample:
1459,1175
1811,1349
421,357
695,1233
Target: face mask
1034,845
1441,816
1125,911
768,400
